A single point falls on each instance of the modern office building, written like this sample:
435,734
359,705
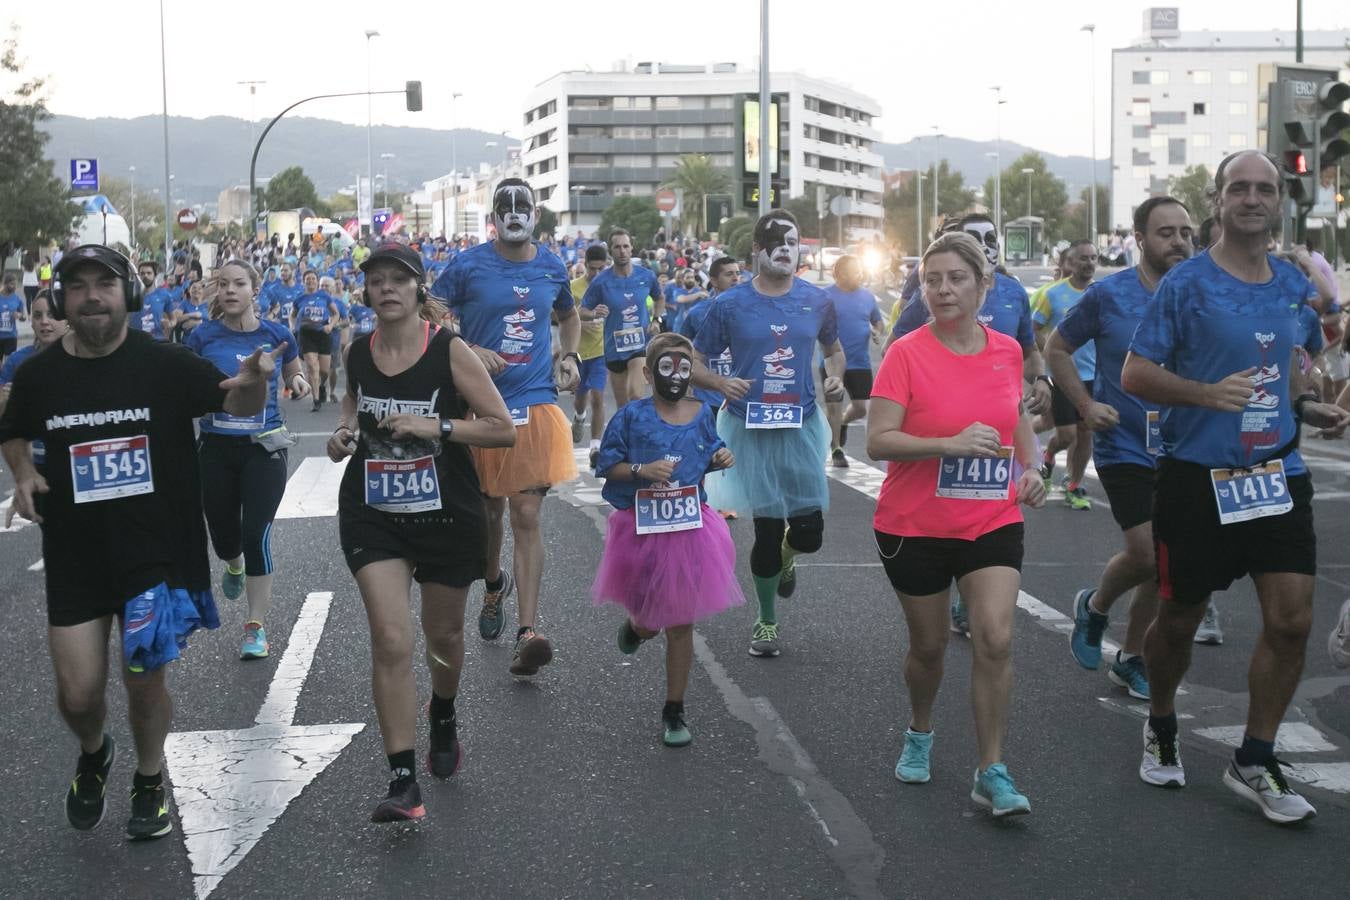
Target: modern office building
590,137
1187,98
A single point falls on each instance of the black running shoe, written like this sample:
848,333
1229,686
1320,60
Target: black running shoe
403,804
149,814
446,754
323,393
85,800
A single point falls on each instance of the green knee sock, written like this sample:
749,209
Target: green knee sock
766,589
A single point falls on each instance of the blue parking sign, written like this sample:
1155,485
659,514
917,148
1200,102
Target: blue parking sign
84,174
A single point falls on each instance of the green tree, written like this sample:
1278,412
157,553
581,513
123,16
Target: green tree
1048,195
732,228
548,222
119,192
636,215
34,203
804,208
954,198
1192,188
1076,215
291,189
696,175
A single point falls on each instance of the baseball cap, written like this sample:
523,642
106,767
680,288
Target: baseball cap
392,251
103,256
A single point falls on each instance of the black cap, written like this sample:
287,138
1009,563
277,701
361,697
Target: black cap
106,257
393,251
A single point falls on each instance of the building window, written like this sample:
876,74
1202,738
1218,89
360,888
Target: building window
1237,76
1200,140
1158,140
638,161
1237,139
1197,109
1141,109
1159,76
687,102
1140,78
544,193
812,104
668,103
692,131
623,102
633,132
667,160
722,101
589,160
1201,76
1176,152
1140,172
642,103
1140,158
1237,108
588,103
721,131
721,160
1140,131
667,131
1169,117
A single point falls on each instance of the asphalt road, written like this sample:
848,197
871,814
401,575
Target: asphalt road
787,790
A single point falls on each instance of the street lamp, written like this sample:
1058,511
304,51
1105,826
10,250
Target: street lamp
132,169
454,166
370,165
1028,172
918,196
578,190
164,91
1092,80
998,150
384,158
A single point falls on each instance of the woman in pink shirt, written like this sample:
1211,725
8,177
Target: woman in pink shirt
947,413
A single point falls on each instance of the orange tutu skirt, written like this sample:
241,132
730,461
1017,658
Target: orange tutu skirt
541,458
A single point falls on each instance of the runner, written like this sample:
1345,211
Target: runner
157,302
503,293
119,503
190,311
619,296
590,391
960,462
686,294
280,299
410,509
47,330
668,559
338,338
1124,434
1232,495
1080,263
315,318
362,316
858,319
723,275
770,421
243,459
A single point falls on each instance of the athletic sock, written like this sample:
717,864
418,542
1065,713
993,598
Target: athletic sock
1254,752
766,589
493,586
97,758
402,764
1092,605
1122,657
442,708
520,632
232,570
1164,726
1072,486
595,445
141,782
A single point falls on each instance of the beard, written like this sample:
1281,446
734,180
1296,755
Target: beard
99,333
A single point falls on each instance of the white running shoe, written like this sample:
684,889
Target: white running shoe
1209,631
1265,786
1161,765
1338,642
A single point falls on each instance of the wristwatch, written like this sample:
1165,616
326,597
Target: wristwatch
447,427
635,468
1045,378
573,355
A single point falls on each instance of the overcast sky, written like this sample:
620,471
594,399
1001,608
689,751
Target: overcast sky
927,63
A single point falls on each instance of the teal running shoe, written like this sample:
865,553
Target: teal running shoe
1130,675
232,584
912,767
254,645
995,791
1085,641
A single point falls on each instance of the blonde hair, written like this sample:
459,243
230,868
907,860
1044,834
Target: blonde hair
964,246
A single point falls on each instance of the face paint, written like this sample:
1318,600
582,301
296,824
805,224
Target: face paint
671,378
779,255
513,213
984,233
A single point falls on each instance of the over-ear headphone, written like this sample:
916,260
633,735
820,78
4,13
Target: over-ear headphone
422,295
132,292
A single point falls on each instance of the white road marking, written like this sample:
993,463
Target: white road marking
312,491
20,523
230,786
38,566
1293,737
1327,776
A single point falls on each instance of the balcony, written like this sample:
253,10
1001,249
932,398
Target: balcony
651,145
651,116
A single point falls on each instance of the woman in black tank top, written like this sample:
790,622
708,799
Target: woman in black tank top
410,507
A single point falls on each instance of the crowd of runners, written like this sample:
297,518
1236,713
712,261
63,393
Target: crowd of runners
145,425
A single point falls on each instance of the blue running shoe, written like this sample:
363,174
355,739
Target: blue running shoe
994,790
1085,641
232,584
1130,675
254,644
912,767
492,617
960,618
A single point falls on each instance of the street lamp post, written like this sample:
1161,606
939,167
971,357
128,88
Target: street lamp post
1092,81
454,166
998,158
1028,172
578,190
918,197
937,210
164,90
370,164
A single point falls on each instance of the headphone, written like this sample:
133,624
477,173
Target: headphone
132,292
422,295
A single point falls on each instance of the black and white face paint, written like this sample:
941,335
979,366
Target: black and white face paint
513,213
670,380
779,254
984,233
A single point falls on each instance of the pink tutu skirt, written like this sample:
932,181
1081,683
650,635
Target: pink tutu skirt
668,579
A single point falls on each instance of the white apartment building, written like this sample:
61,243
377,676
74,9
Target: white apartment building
1183,99
590,137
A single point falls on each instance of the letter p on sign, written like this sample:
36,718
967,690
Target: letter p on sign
84,174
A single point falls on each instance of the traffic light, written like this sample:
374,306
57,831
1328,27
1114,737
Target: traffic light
413,93
1315,130
1334,121
1299,178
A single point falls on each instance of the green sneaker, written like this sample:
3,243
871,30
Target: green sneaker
764,639
232,584
787,577
629,639
676,731
1077,498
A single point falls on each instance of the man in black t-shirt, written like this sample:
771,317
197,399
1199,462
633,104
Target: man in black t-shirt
119,502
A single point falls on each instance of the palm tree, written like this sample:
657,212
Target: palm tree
696,175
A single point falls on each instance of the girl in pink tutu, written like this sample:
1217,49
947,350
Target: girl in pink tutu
669,560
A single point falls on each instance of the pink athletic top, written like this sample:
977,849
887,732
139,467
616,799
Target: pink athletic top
942,393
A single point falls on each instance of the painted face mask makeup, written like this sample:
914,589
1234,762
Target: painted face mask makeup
670,380
513,213
984,233
778,255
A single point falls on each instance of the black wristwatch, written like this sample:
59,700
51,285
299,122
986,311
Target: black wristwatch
573,355
1045,378
447,428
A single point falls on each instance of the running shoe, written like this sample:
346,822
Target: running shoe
595,458
1338,642
995,791
445,753
1209,631
838,459
1266,786
1130,675
1085,641
578,427
1161,765
629,639
403,803
149,814
1077,498
323,394
232,584
532,652
912,767
764,639
960,618
492,617
676,733
316,406
787,577
254,645
89,789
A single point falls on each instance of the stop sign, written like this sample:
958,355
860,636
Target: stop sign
187,219
665,201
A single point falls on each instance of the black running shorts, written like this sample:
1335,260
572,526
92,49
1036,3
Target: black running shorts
920,566
1129,490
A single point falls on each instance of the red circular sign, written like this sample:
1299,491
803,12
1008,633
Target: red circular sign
665,201
187,219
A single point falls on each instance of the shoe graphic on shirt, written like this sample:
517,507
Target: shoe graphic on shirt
1266,374
773,370
1262,399
778,355
515,332
630,314
515,318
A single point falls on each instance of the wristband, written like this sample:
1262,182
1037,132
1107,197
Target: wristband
573,355
1301,401
1045,378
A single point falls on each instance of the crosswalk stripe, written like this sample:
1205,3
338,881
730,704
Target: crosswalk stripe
312,490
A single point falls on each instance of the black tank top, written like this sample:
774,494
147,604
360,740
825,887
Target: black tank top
421,484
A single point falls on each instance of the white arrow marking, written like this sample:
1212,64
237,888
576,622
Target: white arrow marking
230,786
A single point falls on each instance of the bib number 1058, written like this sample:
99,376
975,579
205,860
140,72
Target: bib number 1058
660,510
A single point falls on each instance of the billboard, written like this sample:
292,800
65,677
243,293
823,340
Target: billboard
1162,22
750,121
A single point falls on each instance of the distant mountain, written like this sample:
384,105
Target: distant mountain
208,155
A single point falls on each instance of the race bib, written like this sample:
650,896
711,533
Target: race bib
975,478
772,415
316,314
6,320
111,469
1153,432
1246,494
626,339
148,321
241,424
403,485
520,415
721,365
668,509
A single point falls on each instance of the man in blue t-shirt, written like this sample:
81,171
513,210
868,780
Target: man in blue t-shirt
13,310
723,275
619,295
1125,434
1217,348
860,325
157,304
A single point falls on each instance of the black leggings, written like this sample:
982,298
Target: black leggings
805,534
242,486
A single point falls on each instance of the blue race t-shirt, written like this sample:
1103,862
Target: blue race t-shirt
638,434
505,307
11,365
153,306
1006,309
281,298
626,297
1058,299
771,341
227,348
10,307
1310,324
363,319
855,312
1107,316
720,364
1203,325
312,312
